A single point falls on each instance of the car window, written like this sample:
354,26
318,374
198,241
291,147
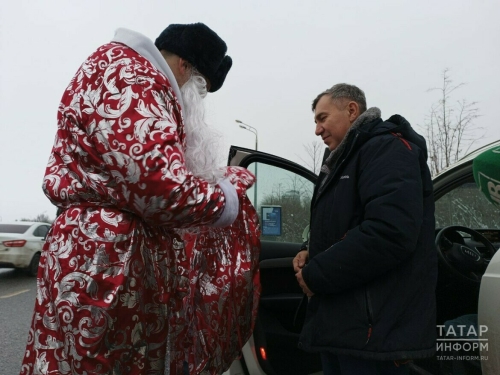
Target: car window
282,199
13,228
41,231
467,206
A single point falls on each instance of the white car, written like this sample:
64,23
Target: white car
21,244
467,227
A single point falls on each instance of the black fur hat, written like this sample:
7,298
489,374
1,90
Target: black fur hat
201,47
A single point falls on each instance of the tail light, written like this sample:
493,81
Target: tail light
14,243
263,354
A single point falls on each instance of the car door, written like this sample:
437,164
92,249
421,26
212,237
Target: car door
281,195
460,202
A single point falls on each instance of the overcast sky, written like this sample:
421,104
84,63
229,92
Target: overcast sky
284,53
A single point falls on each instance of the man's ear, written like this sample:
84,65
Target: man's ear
183,66
353,109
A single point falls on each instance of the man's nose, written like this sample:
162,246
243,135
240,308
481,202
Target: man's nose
318,130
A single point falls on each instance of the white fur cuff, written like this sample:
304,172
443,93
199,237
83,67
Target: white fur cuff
232,205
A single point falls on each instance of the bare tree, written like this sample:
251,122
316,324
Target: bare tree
315,151
43,217
450,128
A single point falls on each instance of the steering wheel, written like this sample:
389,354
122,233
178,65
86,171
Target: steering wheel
465,262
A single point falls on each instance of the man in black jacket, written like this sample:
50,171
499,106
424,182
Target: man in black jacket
370,269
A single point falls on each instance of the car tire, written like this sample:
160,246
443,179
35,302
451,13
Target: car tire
32,269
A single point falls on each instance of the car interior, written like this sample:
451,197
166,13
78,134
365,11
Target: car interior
467,236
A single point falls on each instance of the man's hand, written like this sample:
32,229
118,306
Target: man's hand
302,284
300,260
298,263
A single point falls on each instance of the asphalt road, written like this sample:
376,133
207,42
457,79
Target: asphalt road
17,298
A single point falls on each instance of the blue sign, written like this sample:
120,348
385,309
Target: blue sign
271,220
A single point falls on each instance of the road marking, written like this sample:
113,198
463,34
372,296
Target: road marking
15,294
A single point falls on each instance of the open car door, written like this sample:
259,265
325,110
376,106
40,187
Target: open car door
281,196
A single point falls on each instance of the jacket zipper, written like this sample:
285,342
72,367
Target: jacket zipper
336,171
369,313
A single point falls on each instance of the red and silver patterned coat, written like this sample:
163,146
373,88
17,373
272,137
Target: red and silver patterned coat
120,289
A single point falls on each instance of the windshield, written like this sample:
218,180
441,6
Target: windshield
466,205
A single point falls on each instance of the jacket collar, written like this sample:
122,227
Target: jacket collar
145,47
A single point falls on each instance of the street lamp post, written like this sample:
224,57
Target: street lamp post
251,129
254,131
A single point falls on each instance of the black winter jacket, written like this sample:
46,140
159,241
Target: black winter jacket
372,261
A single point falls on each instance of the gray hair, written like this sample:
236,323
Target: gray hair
344,91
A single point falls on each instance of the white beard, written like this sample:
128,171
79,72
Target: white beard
203,143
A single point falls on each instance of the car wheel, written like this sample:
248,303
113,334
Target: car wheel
33,267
